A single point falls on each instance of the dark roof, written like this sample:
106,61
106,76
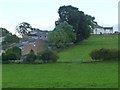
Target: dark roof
98,26
26,42
31,34
108,27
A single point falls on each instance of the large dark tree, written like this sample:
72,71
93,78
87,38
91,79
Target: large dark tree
82,23
23,28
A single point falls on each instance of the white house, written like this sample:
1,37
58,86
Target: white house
102,30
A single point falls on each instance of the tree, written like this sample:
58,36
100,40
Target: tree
30,58
49,56
82,23
62,35
13,53
68,29
5,32
57,38
9,39
23,28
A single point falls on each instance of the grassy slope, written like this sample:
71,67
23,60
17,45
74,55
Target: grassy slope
81,51
99,74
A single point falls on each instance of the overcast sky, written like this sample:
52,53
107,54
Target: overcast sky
42,14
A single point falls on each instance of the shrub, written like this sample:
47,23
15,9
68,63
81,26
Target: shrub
104,54
49,56
4,59
13,53
31,57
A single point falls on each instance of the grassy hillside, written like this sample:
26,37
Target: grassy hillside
82,50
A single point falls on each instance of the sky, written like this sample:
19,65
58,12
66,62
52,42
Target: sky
42,14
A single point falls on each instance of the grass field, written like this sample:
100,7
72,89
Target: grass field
67,75
82,50
61,75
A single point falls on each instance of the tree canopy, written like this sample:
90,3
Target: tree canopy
62,35
82,23
8,37
23,28
5,32
13,53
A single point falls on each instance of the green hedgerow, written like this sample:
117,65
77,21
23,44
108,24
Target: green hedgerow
105,54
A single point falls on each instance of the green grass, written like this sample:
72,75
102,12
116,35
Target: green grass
67,75
82,50
61,75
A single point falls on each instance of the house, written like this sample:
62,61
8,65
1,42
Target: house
35,40
38,34
102,30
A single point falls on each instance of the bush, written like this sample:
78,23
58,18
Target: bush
49,56
31,57
4,59
13,53
105,54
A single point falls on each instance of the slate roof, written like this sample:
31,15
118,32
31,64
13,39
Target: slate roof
98,26
108,27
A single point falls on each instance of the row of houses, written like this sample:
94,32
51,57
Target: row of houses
37,39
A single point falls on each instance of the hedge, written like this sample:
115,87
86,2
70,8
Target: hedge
105,54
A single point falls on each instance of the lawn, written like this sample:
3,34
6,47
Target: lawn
61,75
67,75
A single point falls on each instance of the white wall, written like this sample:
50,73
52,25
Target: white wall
98,31
101,30
108,31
